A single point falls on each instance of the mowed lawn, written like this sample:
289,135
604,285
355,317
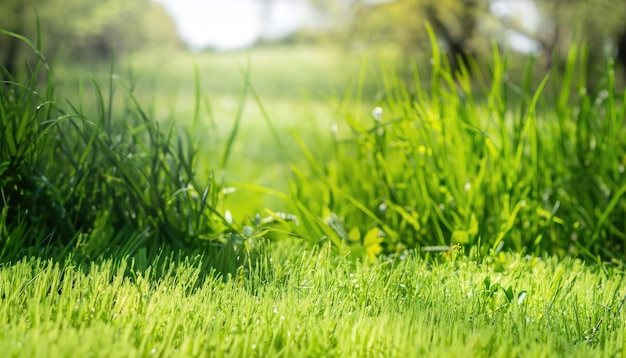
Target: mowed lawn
313,303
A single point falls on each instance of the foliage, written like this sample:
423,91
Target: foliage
85,30
597,22
490,164
403,21
107,191
309,303
295,87
100,182
467,27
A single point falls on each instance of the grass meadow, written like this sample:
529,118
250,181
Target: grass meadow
305,202
297,88
312,303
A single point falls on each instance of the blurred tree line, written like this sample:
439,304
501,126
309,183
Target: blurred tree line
468,27
78,30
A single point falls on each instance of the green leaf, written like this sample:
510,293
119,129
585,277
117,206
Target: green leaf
460,236
372,240
355,234
508,292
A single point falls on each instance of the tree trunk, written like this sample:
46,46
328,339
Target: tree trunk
459,53
9,62
621,51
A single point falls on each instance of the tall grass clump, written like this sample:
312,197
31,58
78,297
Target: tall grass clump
98,183
472,158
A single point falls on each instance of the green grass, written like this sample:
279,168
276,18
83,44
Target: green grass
296,87
311,303
105,180
475,160
415,202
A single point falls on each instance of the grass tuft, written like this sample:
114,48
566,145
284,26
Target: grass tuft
109,182
474,160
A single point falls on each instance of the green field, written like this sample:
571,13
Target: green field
307,202
299,88
312,303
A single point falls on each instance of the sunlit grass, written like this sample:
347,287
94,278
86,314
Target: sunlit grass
296,87
475,159
310,302
133,219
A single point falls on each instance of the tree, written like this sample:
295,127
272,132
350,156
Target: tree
597,23
621,49
466,27
403,23
85,30
13,18
465,16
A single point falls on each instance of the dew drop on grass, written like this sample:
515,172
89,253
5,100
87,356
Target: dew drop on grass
248,231
377,113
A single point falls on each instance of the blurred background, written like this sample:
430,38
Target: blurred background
303,57
75,30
